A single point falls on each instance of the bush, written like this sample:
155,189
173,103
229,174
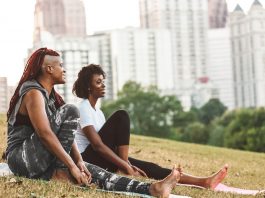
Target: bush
195,132
216,136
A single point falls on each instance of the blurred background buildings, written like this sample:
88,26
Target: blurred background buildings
193,49
248,55
60,18
217,13
6,93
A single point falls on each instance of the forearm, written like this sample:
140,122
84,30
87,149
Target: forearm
52,143
109,155
75,153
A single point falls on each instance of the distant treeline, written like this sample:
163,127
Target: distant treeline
163,116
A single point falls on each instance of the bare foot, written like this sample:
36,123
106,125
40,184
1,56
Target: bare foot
163,188
216,178
62,175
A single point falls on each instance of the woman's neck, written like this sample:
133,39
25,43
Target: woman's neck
46,85
92,101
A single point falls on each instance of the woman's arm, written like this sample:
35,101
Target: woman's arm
105,151
79,161
75,154
34,104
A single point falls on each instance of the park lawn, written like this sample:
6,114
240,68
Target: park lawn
246,169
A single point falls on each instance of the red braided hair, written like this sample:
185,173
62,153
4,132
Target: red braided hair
32,71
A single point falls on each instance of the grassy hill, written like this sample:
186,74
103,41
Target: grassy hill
246,169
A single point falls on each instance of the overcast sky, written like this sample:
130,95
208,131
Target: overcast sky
16,19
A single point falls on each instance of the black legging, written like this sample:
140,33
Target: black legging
116,132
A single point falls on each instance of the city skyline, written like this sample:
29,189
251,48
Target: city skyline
14,46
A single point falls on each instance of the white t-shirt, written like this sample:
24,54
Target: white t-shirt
88,117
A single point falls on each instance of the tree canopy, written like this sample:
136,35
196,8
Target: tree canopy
150,113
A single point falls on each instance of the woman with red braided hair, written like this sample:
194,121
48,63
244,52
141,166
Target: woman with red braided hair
41,133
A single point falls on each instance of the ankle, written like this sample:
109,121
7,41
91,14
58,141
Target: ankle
61,175
154,189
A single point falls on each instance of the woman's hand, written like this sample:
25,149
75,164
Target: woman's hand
132,170
129,171
82,176
82,167
136,169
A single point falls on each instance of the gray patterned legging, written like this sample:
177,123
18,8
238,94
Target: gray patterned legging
33,160
112,182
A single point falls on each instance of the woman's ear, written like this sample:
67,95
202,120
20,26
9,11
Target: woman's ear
49,69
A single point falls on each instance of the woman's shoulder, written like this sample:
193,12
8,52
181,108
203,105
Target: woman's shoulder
84,103
31,84
101,113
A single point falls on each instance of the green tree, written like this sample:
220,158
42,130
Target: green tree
216,135
256,139
183,118
235,133
218,127
150,113
247,130
212,109
195,132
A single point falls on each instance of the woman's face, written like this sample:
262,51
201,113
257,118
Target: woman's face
97,86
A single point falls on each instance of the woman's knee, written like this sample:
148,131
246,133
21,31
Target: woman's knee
69,119
122,115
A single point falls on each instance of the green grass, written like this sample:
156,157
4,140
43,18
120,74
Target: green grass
246,169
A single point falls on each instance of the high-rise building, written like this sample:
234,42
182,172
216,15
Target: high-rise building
60,18
202,91
188,22
220,65
75,17
140,55
248,50
61,25
217,13
3,95
6,92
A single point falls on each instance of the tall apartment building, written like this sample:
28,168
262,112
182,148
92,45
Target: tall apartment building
220,65
61,25
60,18
188,22
248,50
75,18
6,92
3,95
141,55
217,13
